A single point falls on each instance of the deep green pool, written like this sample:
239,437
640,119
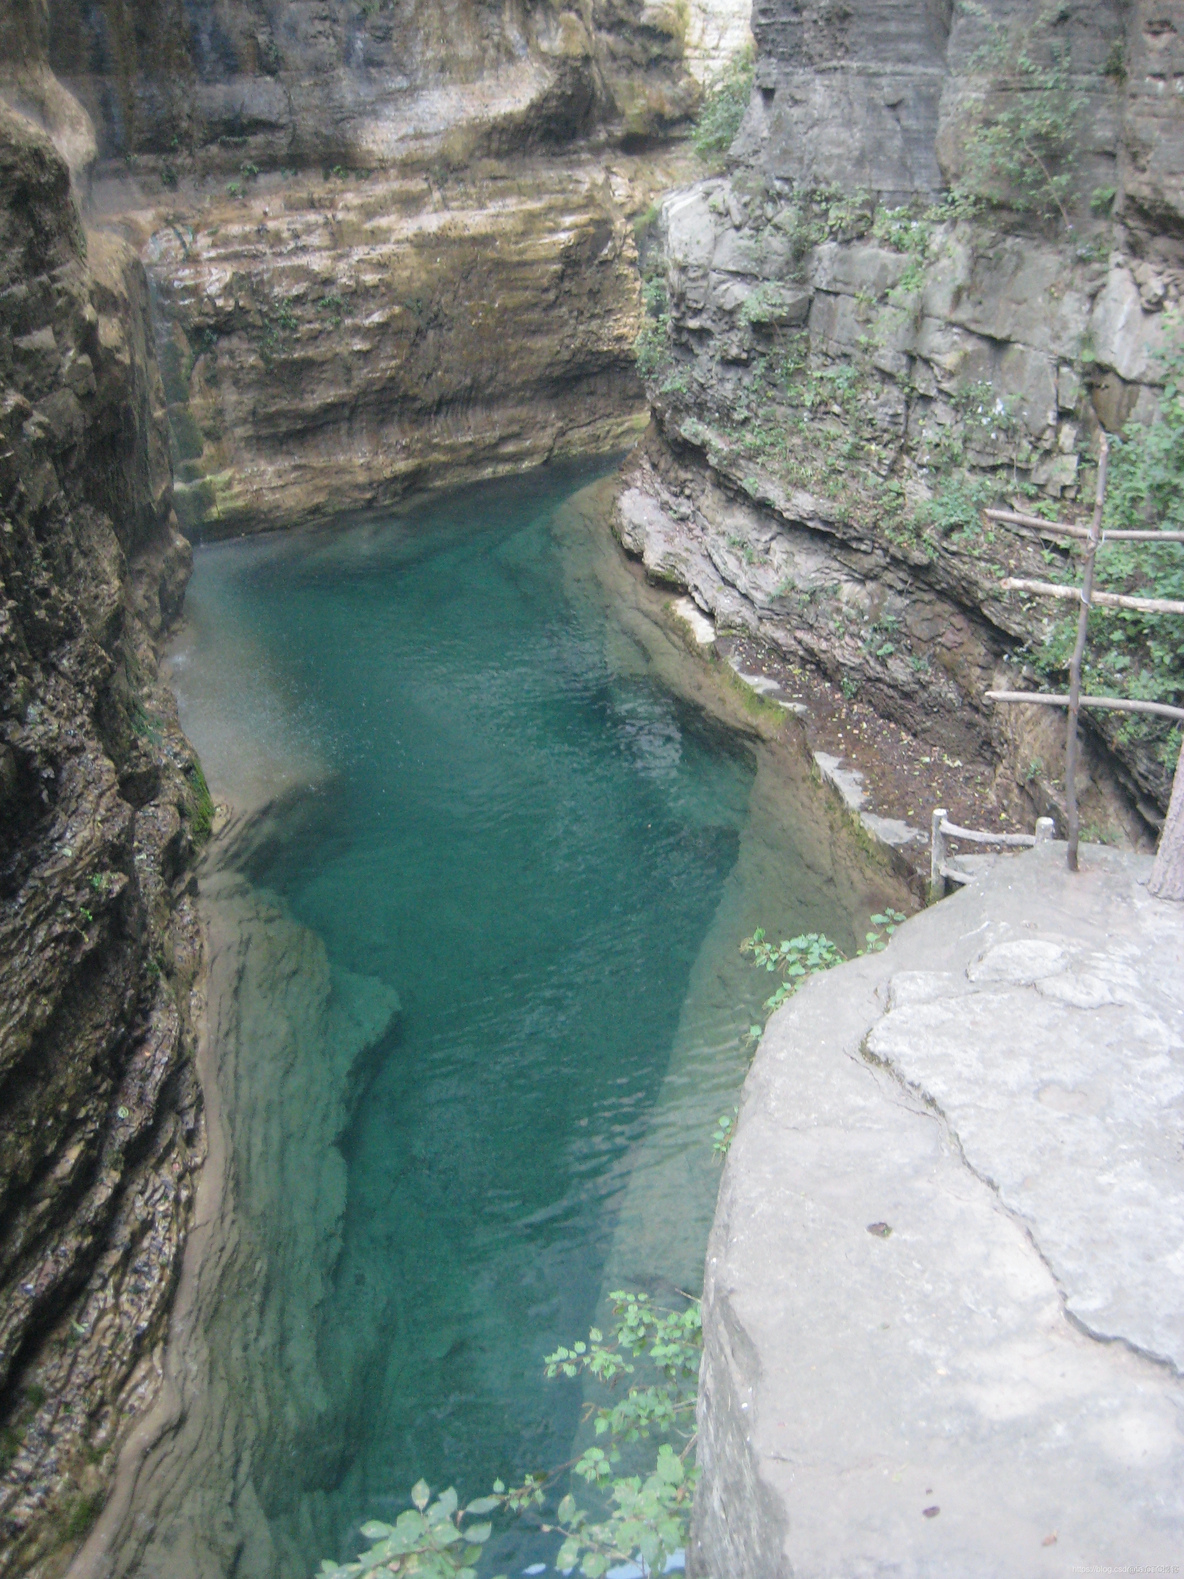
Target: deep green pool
500,807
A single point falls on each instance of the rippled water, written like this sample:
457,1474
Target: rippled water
505,807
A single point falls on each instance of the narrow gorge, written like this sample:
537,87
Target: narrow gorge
493,518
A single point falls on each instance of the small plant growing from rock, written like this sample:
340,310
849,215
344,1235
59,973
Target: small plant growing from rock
1022,153
653,341
723,108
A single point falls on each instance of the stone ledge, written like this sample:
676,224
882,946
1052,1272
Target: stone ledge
957,1168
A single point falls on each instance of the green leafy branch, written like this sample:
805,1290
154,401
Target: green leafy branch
649,1522
431,1540
645,1519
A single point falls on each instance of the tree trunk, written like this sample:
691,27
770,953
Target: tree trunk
1167,875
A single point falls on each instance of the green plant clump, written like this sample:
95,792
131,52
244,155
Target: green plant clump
1131,653
723,108
201,818
795,959
653,341
1023,156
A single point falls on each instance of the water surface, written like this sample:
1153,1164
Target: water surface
500,806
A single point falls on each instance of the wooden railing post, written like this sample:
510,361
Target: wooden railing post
1167,875
1087,587
937,856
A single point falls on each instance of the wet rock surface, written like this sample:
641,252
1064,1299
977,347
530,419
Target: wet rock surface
100,807
330,347
942,1304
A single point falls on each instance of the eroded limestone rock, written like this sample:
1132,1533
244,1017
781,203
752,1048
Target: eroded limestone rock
941,1314
330,348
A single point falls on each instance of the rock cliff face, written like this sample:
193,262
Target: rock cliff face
393,249
844,373
100,804
332,82
329,347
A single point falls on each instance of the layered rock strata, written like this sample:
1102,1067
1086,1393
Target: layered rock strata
842,374
330,347
211,85
392,250
101,803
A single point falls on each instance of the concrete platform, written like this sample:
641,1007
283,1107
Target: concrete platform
944,1304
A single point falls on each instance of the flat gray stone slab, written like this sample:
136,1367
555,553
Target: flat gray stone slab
944,1305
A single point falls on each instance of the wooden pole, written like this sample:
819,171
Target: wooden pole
937,856
1118,704
1167,875
1087,587
1104,600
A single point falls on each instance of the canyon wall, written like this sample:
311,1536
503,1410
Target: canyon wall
391,250
382,252
844,372
331,346
101,803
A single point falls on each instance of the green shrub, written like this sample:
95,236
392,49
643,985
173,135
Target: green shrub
723,108
1023,156
644,222
653,341
957,505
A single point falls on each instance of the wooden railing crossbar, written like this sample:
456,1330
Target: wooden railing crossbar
1063,529
941,829
952,831
1103,600
1117,704
1167,876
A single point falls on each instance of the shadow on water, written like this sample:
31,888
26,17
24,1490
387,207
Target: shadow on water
475,1000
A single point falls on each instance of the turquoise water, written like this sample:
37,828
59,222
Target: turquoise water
499,807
